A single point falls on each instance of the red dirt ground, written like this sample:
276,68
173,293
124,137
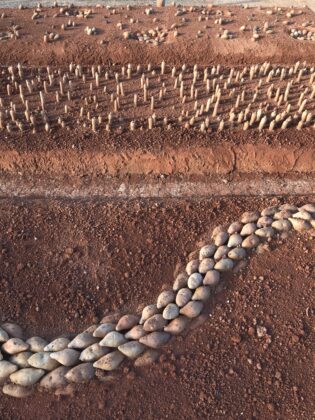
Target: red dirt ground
102,256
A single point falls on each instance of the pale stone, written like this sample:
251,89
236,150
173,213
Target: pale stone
13,330
202,293
132,349
264,221
113,339
212,278
155,339
235,227
302,214
205,265
180,282
195,280
237,253
55,378
192,267
103,329
58,344
66,357
166,297
265,232
250,216
234,240
110,361
207,251
27,376
6,368
17,391
93,353
192,309
21,359
226,264
147,358
155,323
248,229
81,373
37,344
221,238
126,322
308,207
269,211
221,252
42,360
4,336
135,333
171,311
177,325
251,241
147,312
111,318
14,345
300,225
282,225
81,341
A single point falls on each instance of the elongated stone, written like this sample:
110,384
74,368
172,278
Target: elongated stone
81,373
235,240
126,322
308,207
289,207
135,333
300,225
111,318
27,376
221,252
14,345
113,339
36,344
302,214
81,341
110,361
132,349
93,352
147,358
103,329
17,391
21,359
265,232
212,278
251,241
248,229
221,238
217,230
155,323
6,368
226,264
264,221
42,360
183,296
207,251
166,297
4,336
148,311
13,330
192,267
202,293
171,311
180,282
237,253
282,214
58,344
55,379
192,309
195,280
177,325
250,216
235,227
66,357
269,211
155,339
91,329
205,265
282,225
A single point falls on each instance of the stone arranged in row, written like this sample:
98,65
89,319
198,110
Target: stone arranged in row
106,345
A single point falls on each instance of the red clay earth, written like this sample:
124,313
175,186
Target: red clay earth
64,264
75,45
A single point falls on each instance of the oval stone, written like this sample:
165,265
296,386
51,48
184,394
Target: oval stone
110,361
93,353
55,378
81,341
135,333
132,349
205,265
171,311
177,325
212,278
202,293
126,322
207,251
103,329
148,311
195,280
113,339
155,323
183,296
235,240
180,281
226,264
155,339
166,297
17,391
66,357
37,344
6,368
81,373
192,309
27,376
42,360
21,359
14,345
251,241
57,344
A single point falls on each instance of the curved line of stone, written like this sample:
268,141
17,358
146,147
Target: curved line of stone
104,347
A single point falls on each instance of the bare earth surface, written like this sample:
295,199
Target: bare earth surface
102,256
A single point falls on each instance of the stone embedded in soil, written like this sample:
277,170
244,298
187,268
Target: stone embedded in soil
113,339
126,322
81,373
6,368
237,253
226,264
81,341
205,265
155,323
252,241
195,280
66,357
166,297
171,311
17,391
177,325
183,296
110,361
202,293
21,359
212,278
132,349
27,376
300,225
37,344
4,336
155,339
180,281
13,330
207,251
265,232
282,225
55,378
14,345
192,309
135,333
58,344
147,312
42,360
147,358
104,329
93,352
